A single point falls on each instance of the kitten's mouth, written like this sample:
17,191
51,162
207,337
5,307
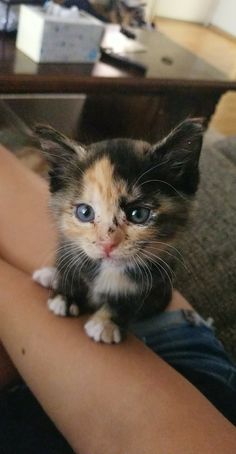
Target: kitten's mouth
118,261
111,259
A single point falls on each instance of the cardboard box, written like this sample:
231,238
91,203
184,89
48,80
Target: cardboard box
49,39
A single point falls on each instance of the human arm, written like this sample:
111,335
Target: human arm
104,399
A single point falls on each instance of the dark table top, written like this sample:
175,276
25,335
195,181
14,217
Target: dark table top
170,67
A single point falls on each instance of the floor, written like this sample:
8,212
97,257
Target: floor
218,50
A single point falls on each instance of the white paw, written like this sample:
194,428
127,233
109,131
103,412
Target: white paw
103,331
57,305
74,310
46,277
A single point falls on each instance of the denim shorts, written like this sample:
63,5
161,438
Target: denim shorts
182,338
188,343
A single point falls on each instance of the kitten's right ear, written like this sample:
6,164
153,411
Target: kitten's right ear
57,147
59,151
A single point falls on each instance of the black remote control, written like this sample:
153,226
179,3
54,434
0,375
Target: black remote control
123,62
128,33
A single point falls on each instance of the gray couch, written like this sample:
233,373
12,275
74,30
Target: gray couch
209,248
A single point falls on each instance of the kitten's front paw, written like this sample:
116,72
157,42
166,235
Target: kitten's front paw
103,331
58,305
46,277
74,310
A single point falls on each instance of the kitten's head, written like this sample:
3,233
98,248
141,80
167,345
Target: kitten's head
123,200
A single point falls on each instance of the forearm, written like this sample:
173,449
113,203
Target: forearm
27,236
104,399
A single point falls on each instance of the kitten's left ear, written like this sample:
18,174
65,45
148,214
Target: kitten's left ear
178,155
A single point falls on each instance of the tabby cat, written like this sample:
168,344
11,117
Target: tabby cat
119,206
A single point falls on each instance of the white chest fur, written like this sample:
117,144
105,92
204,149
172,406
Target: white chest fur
113,281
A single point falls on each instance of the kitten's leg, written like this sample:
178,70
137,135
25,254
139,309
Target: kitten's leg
101,328
58,305
74,310
47,277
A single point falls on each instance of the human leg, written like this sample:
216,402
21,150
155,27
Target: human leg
178,302
188,343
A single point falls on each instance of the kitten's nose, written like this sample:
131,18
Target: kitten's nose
108,247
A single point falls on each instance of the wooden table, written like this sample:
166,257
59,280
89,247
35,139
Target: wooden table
121,102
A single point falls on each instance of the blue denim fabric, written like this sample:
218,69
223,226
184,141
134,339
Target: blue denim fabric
187,342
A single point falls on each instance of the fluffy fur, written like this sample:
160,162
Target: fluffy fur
118,269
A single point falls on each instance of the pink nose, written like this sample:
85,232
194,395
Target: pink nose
108,247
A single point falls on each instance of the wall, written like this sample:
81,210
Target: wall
190,10
224,16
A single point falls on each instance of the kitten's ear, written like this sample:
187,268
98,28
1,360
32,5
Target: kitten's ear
56,146
59,151
178,154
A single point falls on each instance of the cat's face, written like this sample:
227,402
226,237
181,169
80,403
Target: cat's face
108,218
121,200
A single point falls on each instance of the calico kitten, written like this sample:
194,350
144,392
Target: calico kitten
119,206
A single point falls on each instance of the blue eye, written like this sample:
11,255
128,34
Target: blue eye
85,213
138,215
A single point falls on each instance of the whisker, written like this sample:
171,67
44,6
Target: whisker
174,257
63,262
180,259
165,244
158,265
78,267
147,273
172,273
141,272
149,281
67,270
149,170
168,184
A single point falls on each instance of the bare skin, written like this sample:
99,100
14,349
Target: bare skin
104,399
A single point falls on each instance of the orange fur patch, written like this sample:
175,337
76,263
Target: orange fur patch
100,185
102,191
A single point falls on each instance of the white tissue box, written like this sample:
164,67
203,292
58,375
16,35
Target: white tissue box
49,39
